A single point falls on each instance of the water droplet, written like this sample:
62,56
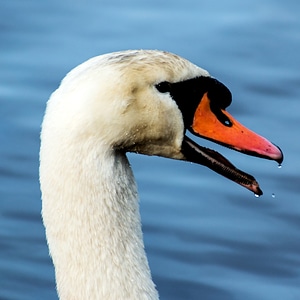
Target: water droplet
257,196
279,166
273,195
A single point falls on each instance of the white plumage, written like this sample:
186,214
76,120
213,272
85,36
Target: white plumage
90,202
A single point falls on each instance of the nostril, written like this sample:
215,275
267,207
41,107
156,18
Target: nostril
227,123
220,115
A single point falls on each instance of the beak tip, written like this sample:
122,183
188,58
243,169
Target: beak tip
258,191
254,187
279,155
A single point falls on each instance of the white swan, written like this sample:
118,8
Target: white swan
141,101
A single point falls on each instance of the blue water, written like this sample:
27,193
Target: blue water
206,237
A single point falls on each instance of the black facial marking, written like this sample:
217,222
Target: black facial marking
219,94
220,97
188,94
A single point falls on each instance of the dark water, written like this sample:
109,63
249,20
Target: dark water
206,237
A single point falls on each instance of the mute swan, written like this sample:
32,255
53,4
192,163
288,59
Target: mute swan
137,101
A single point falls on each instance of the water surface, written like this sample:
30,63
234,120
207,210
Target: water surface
206,237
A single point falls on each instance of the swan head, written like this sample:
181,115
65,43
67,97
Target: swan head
144,101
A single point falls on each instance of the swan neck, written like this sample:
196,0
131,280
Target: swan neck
91,214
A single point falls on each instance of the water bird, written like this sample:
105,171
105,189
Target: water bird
140,101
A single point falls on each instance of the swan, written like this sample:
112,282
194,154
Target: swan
139,101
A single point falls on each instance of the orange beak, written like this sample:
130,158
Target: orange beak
217,125
231,133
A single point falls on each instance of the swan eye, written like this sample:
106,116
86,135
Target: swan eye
163,87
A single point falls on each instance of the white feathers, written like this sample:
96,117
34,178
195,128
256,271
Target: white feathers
104,107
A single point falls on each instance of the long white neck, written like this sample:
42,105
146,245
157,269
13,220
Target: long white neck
91,214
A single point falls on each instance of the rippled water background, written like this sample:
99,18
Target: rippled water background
206,237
